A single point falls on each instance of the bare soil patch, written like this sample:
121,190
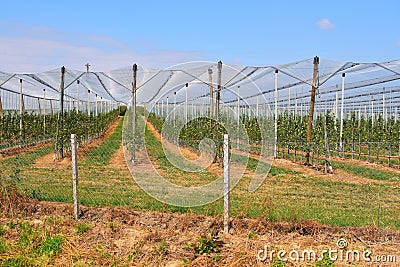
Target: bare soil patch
21,149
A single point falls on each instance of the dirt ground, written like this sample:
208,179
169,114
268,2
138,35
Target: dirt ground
16,150
145,238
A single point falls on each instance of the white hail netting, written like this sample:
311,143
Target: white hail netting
365,83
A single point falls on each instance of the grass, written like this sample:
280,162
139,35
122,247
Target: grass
82,228
285,195
28,245
101,154
365,171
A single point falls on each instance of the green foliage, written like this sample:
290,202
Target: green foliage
325,262
82,228
207,244
59,126
122,110
17,261
51,246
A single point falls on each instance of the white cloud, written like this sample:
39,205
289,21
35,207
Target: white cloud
49,49
325,24
398,42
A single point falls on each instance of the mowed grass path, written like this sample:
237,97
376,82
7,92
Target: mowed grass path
284,195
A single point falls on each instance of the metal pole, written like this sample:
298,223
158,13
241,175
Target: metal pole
44,111
372,112
276,116
383,105
257,107
1,107
88,102
21,108
174,108
238,117
219,88
210,72
78,83
96,107
186,103
75,175
226,184
134,75
166,107
341,115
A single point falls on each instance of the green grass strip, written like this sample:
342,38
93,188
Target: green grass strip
102,154
365,171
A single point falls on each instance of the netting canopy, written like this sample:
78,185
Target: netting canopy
370,87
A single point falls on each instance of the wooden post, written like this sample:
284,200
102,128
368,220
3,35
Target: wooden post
218,89
226,184
75,176
134,75
311,112
210,72
60,123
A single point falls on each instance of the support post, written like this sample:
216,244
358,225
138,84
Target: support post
134,75
210,72
341,116
174,108
311,111
21,108
51,107
186,103
44,111
218,89
60,128
238,118
226,184
39,107
276,116
96,107
75,176
1,108
78,85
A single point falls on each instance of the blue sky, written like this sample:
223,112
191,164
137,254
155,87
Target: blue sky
41,35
